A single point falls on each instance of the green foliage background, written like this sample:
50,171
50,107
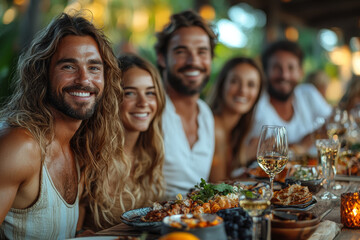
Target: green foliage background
32,18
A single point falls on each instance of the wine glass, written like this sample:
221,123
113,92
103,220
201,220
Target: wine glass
328,151
355,114
255,202
337,123
272,151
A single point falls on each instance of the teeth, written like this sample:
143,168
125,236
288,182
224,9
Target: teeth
141,115
192,73
80,94
241,99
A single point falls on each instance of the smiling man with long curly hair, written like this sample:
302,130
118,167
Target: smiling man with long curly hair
60,123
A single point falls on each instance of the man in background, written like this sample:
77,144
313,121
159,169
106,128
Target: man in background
185,49
298,107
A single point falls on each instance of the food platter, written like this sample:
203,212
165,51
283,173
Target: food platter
133,218
303,206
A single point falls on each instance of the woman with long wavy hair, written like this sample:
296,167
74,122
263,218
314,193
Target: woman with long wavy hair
140,113
235,95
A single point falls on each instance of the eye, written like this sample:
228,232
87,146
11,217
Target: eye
68,67
95,68
233,81
180,51
203,52
129,94
151,93
251,84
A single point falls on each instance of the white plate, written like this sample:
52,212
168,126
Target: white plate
302,207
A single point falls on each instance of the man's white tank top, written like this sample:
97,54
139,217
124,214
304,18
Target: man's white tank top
51,217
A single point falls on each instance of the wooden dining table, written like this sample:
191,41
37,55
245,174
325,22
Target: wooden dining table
330,208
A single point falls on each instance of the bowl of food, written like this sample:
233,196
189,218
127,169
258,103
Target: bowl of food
204,226
310,176
293,224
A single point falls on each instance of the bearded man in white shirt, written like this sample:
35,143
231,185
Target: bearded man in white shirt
286,102
185,49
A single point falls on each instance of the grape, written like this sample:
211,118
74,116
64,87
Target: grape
237,222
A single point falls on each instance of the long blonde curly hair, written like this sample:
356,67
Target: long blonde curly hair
144,184
98,143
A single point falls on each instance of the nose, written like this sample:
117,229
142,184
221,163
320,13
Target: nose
142,101
193,58
83,76
240,87
285,72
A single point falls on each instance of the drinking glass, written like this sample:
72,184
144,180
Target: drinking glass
255,202
337,123
328,150
272,151
355,114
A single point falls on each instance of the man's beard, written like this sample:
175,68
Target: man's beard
58,101
282,97
177,84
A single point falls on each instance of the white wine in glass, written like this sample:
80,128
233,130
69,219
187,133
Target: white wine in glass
255,204
254,207
328,150
272,151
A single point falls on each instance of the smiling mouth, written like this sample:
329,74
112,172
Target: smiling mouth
192,73
80,94
240,99
140,115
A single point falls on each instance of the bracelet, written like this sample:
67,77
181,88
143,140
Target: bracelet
79,232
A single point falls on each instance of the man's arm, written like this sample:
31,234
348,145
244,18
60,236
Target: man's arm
20,165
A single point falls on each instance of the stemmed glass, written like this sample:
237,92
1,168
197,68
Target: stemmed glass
272,151
328,151
355,114
255,202
337,123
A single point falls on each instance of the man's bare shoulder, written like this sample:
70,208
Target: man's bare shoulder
18,149
20,165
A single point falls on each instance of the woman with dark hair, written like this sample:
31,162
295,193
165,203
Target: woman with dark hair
235,95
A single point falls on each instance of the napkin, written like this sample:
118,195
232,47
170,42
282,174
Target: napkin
326,230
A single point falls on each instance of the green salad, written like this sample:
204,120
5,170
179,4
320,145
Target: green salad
304,174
